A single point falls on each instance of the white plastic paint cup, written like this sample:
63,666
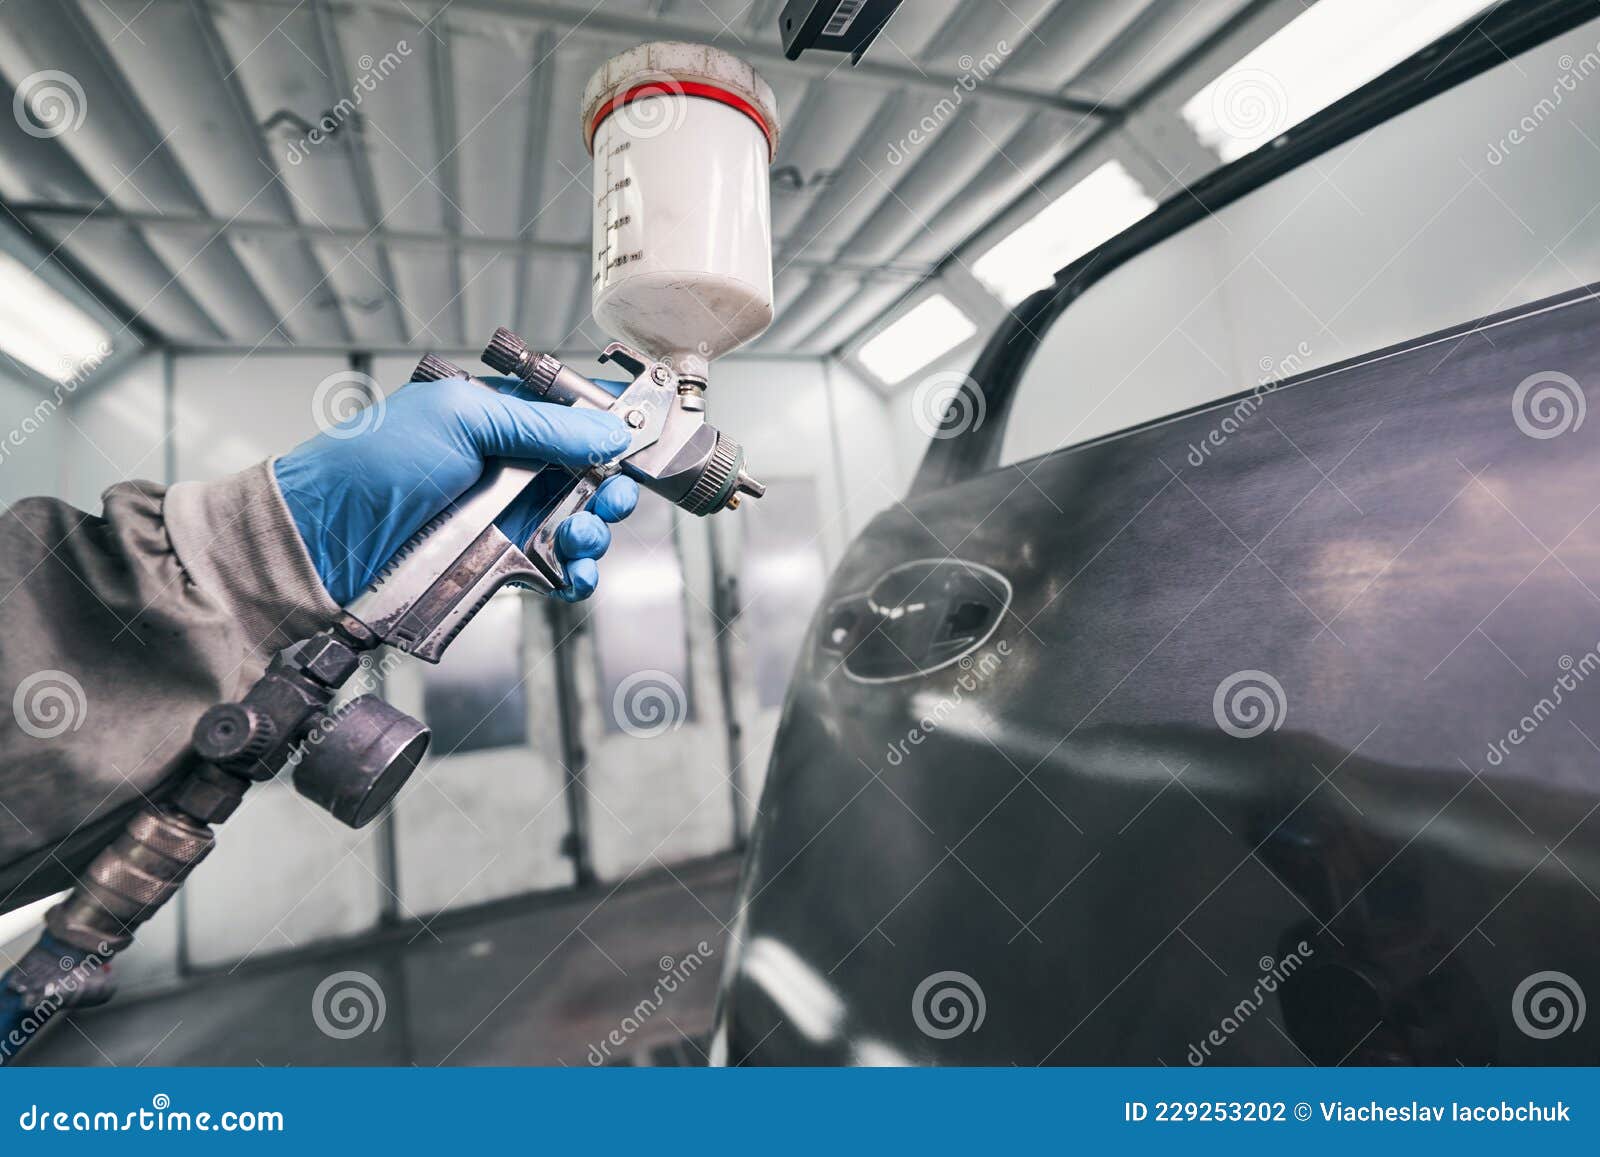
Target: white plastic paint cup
682,137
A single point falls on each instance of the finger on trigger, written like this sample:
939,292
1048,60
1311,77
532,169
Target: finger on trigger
582,577
616,498
582,536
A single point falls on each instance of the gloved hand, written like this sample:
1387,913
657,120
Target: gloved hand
359,491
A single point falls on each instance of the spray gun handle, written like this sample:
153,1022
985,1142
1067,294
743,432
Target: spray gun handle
444,573
574,497
541,545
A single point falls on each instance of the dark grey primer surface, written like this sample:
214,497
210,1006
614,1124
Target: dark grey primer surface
1251,706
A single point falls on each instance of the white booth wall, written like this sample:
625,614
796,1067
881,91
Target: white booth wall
31,462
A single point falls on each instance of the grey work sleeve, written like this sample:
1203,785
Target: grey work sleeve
116,633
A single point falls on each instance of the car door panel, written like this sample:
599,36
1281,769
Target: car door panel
1234,761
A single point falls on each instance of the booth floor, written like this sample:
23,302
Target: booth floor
553,980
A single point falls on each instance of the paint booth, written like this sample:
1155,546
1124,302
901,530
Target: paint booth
230,226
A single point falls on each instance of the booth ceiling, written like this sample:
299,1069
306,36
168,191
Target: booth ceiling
183,188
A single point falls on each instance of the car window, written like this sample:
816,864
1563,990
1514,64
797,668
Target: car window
1479,200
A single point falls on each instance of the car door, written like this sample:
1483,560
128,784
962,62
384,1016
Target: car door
1093,757
1260,733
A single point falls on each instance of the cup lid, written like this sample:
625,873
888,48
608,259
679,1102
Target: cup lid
676,68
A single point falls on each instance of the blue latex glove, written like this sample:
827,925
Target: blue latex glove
359,491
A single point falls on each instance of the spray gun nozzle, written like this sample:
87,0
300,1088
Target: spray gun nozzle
744,484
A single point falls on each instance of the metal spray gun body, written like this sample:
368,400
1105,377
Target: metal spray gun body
352,759
441,577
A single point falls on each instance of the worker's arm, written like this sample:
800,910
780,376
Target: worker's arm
118,630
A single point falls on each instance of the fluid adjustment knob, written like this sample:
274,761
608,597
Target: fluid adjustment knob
234,736
433,368
357,757
508,354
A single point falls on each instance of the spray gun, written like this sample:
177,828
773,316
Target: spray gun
670,276
353,758
439,580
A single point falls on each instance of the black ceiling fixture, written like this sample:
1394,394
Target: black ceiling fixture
833,25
